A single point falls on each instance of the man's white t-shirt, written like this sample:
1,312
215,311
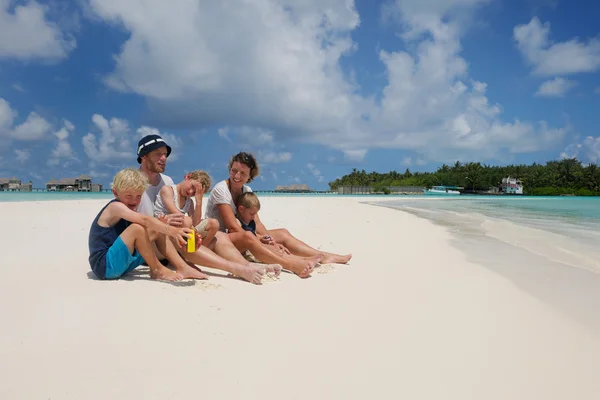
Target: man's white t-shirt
146,206
220,194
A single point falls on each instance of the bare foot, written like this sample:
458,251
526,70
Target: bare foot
336,259
273,268
165,274
301,268
190,271
252,273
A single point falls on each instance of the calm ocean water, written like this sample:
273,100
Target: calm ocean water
53,196
563,230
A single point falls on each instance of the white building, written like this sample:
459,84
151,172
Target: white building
511,186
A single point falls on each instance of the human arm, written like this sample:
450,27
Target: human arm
196,211
229,218
117,210
174,216
263,234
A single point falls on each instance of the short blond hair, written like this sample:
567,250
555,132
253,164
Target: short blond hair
202,177
129,179
248,200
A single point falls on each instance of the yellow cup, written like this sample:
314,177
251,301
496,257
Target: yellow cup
191,242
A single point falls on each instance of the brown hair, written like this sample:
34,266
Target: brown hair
201,177
248,200
249,161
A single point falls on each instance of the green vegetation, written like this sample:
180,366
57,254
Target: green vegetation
567,176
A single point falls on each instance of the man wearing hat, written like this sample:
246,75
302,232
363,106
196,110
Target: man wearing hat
152,153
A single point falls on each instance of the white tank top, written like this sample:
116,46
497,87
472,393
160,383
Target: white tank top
160,208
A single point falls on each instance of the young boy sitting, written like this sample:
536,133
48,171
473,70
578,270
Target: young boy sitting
248,206
121,239
177,198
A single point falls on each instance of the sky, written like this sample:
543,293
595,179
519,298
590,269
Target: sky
313,88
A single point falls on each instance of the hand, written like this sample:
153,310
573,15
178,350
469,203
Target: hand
180,235
266,239
172,219
198,240
199,190
283,249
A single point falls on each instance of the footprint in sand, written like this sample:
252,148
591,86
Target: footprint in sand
269,277
324,268
205,285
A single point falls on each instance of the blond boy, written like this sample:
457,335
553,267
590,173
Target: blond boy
121,239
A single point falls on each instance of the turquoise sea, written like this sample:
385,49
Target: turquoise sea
548,247
563,229
53,196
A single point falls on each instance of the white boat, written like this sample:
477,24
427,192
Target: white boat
443,191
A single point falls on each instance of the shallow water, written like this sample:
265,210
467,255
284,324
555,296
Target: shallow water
547,246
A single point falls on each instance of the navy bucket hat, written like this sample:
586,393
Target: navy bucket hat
150,143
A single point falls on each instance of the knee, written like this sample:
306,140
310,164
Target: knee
187,222
249,237
136,228
284,232
213,225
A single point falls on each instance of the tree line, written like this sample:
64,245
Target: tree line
567,176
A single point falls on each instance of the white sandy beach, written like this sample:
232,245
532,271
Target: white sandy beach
409,318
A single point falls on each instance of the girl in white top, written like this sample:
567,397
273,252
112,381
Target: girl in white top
177,198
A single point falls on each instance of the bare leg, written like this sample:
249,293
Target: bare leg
247,241
300,248
223,246
136,237
275,250
205,256
187,271
212,227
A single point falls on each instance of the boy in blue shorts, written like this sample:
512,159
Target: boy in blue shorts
121,238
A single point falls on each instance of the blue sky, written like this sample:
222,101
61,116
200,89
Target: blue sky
313,88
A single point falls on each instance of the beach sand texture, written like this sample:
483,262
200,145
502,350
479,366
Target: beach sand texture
410,318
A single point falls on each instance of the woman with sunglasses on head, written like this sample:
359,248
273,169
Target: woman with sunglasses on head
243,168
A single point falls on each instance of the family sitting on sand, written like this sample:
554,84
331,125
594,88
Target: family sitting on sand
150,218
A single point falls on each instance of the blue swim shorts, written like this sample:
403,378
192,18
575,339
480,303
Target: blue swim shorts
119,260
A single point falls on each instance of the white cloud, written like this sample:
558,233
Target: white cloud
315,172
7,116
35,127
355,155
113,143
556,87
26,33
63,149
18,87
224,133
547,58
276,76
68,125
22,155
587,151
273,157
